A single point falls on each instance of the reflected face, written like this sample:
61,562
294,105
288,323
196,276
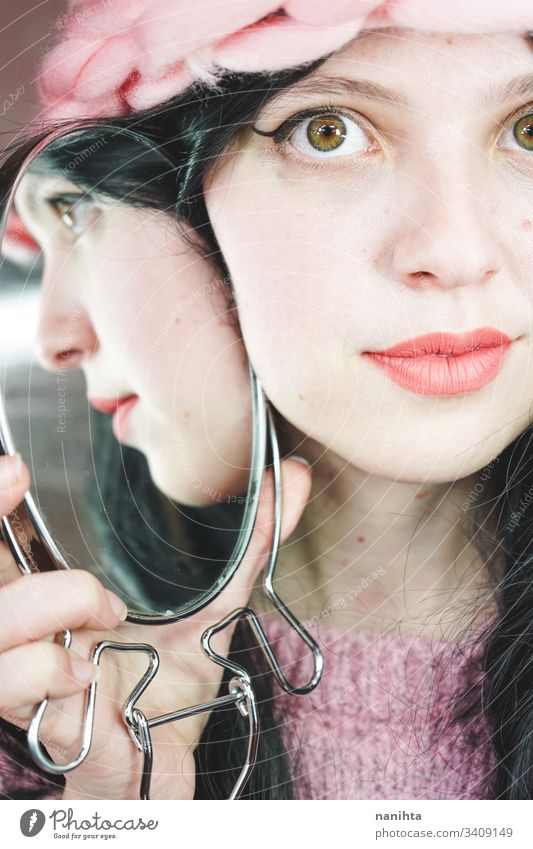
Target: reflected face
388,198
124,299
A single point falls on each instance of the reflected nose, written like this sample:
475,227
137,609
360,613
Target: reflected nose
446,237
65,338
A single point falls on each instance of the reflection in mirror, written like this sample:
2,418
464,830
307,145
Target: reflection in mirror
125,380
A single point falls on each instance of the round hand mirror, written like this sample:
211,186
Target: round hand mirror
124,380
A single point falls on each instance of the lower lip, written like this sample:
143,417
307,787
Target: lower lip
443,375
120,419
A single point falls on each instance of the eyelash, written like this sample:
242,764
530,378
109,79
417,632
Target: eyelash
282,134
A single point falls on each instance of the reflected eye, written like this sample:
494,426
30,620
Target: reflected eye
74,211
521,133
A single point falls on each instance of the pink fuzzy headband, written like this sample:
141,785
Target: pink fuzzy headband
119,56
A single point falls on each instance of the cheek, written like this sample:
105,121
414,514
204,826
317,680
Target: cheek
294,339
292,237
301,274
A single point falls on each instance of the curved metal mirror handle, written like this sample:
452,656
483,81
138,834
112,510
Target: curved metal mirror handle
39,755
268,585
241,692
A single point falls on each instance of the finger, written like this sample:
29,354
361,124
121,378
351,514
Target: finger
9,571
295,490
37,671
35,606
14,482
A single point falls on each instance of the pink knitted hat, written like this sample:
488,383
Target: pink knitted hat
119,56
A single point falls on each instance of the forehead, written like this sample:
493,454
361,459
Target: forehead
413,66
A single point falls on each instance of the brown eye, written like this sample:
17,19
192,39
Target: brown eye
523,131
326,133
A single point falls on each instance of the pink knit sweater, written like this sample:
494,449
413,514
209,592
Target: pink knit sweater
380,723
378,726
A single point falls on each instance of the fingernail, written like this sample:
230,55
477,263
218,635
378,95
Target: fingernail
10,470
84,671
300,460
117,605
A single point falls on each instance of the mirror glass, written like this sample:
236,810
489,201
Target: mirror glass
124,378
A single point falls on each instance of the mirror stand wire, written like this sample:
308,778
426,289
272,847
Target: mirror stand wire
240,694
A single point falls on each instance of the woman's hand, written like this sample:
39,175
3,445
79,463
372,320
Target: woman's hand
33,666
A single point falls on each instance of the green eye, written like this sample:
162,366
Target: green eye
326,133
74,211
523,131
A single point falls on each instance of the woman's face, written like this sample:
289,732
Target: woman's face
397,202
127,301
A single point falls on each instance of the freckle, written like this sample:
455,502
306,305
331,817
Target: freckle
449,40
301,397
526,225
360,539
186,414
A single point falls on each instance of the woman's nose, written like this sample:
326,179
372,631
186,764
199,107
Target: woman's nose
447,236
65,338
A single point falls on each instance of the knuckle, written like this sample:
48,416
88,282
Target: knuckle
87,589
55,663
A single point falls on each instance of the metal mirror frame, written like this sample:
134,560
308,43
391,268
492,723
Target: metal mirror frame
25,530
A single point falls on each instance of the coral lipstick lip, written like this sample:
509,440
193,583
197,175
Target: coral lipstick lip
445,363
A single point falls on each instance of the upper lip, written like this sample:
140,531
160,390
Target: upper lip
448,344
109,405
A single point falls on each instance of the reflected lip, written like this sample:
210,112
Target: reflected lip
119,408
445,363
110,405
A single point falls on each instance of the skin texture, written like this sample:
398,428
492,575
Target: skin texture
419,222
127,301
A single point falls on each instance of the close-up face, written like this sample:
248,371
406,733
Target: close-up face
386,197
150,324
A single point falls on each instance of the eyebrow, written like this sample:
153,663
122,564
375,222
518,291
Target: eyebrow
518,87
325,84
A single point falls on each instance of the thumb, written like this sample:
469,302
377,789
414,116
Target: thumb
296,482
14,482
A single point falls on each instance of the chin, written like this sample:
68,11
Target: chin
178,488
